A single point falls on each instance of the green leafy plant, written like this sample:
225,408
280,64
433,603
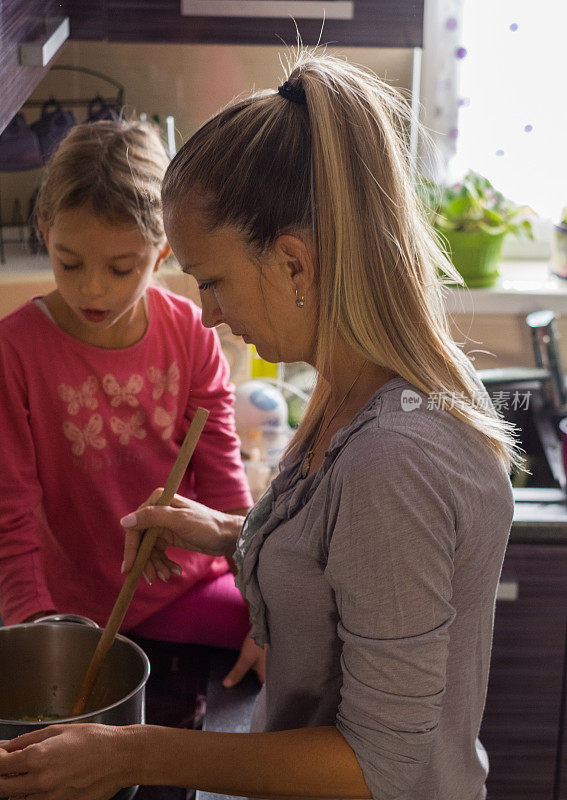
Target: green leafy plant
473,206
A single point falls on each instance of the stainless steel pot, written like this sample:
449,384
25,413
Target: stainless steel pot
42,665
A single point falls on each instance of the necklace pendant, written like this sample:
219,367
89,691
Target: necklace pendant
306,464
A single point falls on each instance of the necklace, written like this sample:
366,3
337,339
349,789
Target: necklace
306,464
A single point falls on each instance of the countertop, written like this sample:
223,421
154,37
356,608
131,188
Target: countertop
540,516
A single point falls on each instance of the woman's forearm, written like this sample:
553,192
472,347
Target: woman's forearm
311,762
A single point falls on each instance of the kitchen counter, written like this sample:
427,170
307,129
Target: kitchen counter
540,517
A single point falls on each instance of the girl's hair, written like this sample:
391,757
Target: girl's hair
337,169
113,167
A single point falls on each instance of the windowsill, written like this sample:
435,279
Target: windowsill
523,286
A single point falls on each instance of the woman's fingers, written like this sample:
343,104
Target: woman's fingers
64,761
134,524
185,523
131,544
164,567
149,517
17,762
18,744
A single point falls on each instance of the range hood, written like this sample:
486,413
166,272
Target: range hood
298,9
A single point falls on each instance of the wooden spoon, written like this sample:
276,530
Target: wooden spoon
144,551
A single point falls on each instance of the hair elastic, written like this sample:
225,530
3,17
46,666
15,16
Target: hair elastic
294,93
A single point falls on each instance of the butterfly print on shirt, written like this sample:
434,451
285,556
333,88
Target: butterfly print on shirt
123,392
83,396
128,428
164,381
163,419
89,435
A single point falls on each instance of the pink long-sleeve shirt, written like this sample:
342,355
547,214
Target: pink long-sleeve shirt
86,434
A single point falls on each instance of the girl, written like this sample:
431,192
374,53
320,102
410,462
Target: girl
371,565
100,380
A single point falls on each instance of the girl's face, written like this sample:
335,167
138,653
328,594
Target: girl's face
256,300
102,272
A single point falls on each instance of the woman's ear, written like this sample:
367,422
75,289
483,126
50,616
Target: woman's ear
295,255
163,255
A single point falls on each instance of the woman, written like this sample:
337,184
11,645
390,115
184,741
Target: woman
371,564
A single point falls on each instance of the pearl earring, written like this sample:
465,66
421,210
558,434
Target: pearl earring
299,299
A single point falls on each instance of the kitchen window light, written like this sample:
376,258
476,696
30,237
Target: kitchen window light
492,89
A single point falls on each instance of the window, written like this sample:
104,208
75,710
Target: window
512,123
492,96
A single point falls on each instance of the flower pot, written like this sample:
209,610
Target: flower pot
475,255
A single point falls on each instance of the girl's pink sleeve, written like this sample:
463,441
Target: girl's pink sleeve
23,590
220,480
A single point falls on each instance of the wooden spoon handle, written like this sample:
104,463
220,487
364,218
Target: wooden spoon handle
144,551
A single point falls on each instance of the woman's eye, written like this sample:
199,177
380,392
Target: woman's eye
69,266
205,285
121,272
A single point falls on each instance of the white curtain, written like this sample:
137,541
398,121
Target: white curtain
439,91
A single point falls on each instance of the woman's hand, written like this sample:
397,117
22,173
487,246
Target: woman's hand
66,761
185,523
251,657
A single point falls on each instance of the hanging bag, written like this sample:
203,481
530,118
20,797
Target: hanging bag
99,109
19,147
52,127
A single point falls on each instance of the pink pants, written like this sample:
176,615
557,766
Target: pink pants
211,612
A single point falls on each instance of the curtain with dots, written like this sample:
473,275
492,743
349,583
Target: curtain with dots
439,92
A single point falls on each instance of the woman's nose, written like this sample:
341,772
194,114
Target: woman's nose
212,315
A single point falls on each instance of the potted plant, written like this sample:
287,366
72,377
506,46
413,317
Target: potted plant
473,219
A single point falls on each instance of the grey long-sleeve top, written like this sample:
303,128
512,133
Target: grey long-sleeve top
374,581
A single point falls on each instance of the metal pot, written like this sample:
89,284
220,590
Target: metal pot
42,666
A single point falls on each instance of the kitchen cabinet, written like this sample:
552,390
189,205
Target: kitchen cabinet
375,23
523,727
21,21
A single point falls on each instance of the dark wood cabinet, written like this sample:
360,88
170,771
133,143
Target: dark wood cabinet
375,23
523,726
20,21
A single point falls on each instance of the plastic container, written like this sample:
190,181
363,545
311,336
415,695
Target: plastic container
260,368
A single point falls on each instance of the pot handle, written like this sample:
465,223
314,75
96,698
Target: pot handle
67,618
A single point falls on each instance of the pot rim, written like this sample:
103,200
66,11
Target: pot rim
82,717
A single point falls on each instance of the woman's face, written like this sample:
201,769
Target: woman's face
256,300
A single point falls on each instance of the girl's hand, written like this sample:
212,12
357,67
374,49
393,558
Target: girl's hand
185,523
251,657
61,762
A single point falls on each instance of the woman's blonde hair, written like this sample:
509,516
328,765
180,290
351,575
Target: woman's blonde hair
337,168
113,167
